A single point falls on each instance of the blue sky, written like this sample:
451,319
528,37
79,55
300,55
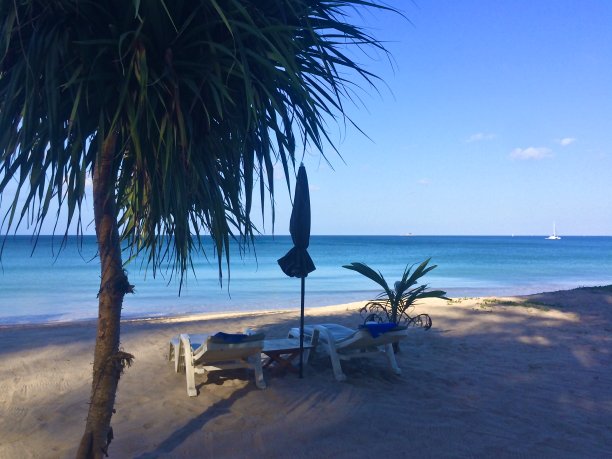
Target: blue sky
495,118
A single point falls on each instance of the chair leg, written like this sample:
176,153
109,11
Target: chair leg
259,379
179,354
335,360
190,376
391,358
333,354
187,357
314,341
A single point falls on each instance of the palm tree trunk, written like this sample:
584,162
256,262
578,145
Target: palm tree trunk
108,360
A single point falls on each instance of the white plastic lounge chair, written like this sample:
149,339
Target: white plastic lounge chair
343,343
203,353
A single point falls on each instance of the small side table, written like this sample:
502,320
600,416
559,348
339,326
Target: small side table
282,352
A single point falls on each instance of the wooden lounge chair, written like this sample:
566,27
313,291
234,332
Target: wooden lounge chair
343,343
203,353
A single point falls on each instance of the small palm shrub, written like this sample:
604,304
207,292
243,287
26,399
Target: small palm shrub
393,304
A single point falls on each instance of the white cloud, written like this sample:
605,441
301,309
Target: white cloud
566,141
531,153
480,136
424,181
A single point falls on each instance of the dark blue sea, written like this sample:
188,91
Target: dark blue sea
46,286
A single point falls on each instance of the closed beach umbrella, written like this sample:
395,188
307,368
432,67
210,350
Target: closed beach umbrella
297,262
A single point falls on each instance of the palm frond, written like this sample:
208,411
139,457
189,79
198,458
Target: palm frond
204,98
368,272
396,302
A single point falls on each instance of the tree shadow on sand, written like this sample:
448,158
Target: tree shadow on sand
176,438
516,379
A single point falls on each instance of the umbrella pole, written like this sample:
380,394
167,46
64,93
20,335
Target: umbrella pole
302,330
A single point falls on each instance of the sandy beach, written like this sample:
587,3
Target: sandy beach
506,377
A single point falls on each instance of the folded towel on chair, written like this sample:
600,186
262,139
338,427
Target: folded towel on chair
234,338
377,329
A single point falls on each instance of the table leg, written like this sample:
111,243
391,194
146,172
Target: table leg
283,359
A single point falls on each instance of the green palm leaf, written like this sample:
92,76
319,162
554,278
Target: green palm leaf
202,96
406,292
368,272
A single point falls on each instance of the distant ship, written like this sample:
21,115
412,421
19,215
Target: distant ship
554,236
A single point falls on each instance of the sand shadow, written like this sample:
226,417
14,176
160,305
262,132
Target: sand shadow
176,438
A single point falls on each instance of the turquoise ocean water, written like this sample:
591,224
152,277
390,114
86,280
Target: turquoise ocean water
42,287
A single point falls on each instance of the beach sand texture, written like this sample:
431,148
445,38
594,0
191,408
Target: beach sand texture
488,380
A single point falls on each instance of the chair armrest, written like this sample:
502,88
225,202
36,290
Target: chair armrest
185,341
323,332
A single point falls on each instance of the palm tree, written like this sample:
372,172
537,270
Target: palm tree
178,110
395,302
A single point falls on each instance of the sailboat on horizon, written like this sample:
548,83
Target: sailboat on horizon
554,236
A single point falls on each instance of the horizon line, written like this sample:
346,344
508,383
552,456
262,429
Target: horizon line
346,235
